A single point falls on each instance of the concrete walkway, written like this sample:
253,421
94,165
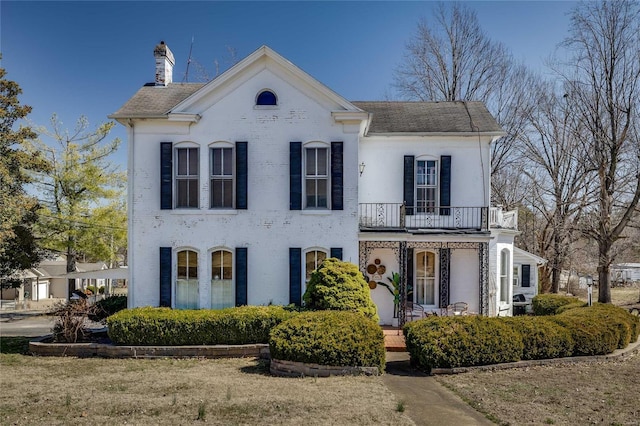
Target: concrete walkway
425,400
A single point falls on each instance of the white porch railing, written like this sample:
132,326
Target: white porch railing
503,219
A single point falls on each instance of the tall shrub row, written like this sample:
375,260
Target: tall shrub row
164,326
449,342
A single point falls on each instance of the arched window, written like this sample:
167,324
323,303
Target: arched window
266,97
221,279
313,259
504,275
425,286
187,280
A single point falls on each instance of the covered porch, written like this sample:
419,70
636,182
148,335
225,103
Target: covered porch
432,273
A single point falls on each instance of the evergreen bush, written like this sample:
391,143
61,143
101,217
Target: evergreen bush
464,341
339,286
107,307
542,338
172,327
548,304
332,338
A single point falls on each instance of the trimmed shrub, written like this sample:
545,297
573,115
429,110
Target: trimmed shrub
107,307
165,326
448,342
339,286
600,329
573,305
541,337
548,304
330,338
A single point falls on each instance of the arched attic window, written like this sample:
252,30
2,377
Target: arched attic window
266,97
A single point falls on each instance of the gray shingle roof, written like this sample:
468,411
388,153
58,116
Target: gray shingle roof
429,117
154,101
388,117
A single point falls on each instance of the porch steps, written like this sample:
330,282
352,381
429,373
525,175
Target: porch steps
393,339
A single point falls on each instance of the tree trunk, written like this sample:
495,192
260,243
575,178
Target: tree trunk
604,262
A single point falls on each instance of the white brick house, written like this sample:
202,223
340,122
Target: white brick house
238,189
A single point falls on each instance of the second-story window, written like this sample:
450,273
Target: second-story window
316,177
221,177
426,186
187,184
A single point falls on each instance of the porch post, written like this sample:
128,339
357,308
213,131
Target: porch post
445,287
402,262
483,258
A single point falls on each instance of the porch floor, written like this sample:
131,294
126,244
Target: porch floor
393,339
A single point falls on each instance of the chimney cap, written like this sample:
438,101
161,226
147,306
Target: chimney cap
162,50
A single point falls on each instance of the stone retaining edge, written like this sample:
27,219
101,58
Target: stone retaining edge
300,369
618,353
102,350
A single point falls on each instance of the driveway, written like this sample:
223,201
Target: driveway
27,324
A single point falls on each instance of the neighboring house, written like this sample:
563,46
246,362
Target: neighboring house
49,280
624,273
239,188
525,273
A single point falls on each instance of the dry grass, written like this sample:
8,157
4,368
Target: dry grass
70,391
603,393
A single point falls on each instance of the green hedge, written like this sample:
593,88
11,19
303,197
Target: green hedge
600,329
548,304
542,338
164,326
448,342
334,338
107,307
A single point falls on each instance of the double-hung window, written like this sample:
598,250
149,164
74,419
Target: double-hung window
504,276
425,286
186,178
427,186
187,280
316,177
221,177
313,259
221,279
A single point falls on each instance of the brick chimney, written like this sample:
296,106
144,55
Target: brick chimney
164,64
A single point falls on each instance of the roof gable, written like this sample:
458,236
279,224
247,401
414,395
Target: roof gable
189,99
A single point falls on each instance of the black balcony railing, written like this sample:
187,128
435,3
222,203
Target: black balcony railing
392,216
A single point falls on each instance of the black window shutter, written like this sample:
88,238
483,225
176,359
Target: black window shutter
165,276
410,274
445,184
336,252
526,276
295,276
166,175
295,176
336,175
241,175
241,276
408,182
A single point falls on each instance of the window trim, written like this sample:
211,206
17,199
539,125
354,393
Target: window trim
234,175
516,277
182,146
436,278
315,146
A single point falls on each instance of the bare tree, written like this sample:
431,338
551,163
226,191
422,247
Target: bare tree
603,77
452,59
556,168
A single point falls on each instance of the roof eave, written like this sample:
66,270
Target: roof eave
490,134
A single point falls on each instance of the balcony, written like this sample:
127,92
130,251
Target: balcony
398,216
503,219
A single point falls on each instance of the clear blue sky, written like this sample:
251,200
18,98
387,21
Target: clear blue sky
89,57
